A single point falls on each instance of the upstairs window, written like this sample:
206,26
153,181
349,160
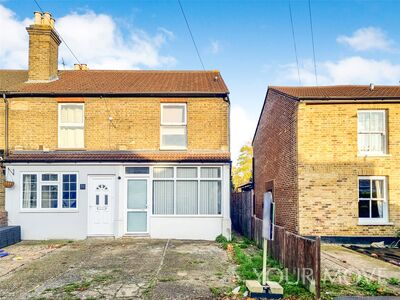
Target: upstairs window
371,132
71,126
173,131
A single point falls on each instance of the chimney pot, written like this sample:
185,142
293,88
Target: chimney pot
371,86
38,18
81,67
47,18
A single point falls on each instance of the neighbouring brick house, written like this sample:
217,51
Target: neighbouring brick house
330,156
113,153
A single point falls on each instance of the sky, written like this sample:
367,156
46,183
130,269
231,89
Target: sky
249,42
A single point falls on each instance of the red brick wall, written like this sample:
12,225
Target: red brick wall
275,158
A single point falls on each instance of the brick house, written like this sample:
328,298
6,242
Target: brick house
330,156
113,153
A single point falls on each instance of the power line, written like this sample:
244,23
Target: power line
61,38
312,40
294,41
191,35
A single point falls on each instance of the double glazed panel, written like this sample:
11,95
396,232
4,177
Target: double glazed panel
137,206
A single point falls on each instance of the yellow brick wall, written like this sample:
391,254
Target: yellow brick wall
135,124
329,167
43,53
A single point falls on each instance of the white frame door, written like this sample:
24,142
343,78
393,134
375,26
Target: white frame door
104,206
146,209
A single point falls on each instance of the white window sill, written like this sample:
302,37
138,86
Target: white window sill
374,223
65,210
172,149
373,155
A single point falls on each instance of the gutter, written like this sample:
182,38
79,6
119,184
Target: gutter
5,126
136,95
350,101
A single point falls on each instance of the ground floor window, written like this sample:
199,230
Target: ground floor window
49,191
372,199
187,190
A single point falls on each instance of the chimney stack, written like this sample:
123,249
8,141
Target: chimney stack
43,49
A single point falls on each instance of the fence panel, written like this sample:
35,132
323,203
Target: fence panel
241,212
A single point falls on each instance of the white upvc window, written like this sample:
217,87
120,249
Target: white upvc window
187,190
372,135
71,119
372,200
173,130
49,191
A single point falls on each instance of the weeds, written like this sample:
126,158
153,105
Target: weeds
393,281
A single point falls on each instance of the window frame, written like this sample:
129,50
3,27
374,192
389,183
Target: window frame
385,201
40,183
384,133
71,125
164,125
198,179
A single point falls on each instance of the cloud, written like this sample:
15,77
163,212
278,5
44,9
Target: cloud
96,39
215,47
242,129
13,40
350,70
368,38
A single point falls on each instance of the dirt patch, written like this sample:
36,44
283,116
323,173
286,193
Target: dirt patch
123,268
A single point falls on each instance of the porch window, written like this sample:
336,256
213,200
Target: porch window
372,132
372,199
187,190
49,191
71,125
173,131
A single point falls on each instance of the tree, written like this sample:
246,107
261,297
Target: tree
242,170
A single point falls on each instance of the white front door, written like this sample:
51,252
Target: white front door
101,202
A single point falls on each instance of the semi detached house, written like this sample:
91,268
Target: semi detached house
330,156
113,153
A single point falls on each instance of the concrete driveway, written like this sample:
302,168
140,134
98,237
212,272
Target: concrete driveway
127,268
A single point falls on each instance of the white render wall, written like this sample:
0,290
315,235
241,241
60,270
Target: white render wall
59,224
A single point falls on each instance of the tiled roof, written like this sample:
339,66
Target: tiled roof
340,91
119,156
11,78
118,82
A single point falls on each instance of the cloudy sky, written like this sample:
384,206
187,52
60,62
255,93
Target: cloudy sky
250,42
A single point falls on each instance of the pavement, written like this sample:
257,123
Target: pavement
128,268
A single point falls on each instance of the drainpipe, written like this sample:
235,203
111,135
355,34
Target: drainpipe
5,125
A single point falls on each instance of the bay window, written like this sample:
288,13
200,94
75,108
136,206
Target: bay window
49,191
71,125
187,190
173,131
372,132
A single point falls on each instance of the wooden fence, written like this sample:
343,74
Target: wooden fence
300,255
242,212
